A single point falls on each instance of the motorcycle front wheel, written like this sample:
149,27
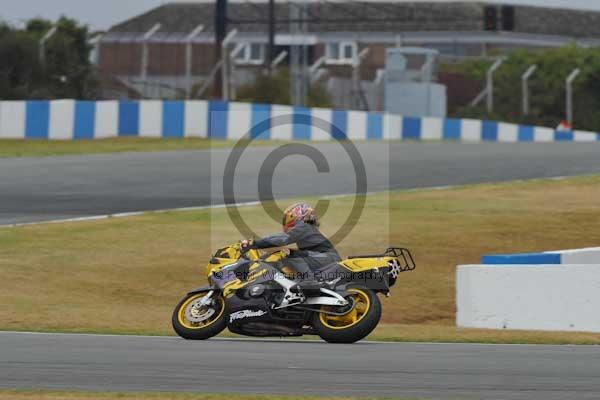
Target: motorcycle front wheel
353,325
194,320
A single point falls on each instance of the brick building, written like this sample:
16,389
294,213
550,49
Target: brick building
177,59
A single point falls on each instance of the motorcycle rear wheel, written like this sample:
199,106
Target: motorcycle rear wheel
195,322
355,324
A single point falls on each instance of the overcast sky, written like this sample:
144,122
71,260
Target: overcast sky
101,14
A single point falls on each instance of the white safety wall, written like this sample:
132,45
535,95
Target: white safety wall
534,297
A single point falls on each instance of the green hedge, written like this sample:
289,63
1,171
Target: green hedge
546,87
276,90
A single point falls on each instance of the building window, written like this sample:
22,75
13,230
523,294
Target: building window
251,53
256,52
333,51
348,51
341,52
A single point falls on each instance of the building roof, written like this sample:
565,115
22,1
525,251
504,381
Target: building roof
355,16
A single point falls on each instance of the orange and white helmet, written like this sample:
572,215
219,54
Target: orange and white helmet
299,212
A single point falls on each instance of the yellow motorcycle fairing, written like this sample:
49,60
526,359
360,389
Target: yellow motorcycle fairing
366,264
255,271
231,287
276,256
231,254
216,264
228,255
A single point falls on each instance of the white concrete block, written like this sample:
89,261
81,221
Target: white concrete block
357,125
508,133
239,120
532,297
151,118
543,134
431,128
470,130
107,119
196,118
62,119
318,134
12,119
281,117
392,127
584,136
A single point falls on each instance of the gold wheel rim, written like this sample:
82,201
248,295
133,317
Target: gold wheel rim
362,305
202,324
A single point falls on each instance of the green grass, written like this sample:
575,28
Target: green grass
76,395
43,148
128,273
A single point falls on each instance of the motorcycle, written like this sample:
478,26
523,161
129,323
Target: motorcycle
255,294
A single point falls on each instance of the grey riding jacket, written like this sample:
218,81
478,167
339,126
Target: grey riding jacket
314,248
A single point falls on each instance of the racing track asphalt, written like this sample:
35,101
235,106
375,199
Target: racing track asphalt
433,371
48,188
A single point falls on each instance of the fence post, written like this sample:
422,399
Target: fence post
278,60
188,58
525,87
145,39
95,42
314,68
569,93
145,61
356,87
42,44
231,83
490,84
226,60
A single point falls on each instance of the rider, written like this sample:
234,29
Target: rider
300,226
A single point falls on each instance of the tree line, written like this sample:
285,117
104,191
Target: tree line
60,69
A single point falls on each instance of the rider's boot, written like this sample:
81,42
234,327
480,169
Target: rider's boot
292,293
306,286
297,291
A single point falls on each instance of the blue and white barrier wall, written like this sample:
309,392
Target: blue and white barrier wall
554,291
73,119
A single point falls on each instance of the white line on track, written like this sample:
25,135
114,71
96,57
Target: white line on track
129,214
255,203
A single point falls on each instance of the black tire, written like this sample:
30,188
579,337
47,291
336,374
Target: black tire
358,330
204,330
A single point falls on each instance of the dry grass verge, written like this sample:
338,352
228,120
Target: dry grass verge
125,275
43,148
